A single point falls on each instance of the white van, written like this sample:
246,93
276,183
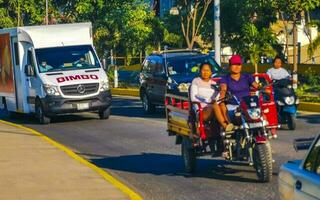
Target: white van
52,70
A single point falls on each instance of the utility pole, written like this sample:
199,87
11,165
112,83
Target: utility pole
217,39
47,19
295,54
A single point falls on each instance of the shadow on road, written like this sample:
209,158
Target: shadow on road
312,119
133,108
172,165
30,119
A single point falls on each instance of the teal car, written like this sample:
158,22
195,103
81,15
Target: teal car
300,179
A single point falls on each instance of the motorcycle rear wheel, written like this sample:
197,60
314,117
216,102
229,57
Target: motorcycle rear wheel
188,155
262,158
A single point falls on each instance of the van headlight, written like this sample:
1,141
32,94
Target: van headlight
289,100
254,113
184,87
51,90
104,85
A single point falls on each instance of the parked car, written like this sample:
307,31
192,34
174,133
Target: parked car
300,179
171,70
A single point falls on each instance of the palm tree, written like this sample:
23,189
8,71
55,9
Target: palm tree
257,43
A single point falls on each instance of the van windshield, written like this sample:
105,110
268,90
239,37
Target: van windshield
190,65
66,58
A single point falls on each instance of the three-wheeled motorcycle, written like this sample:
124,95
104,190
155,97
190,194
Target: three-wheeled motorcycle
248,143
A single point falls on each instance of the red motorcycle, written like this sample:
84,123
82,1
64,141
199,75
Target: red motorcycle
248,143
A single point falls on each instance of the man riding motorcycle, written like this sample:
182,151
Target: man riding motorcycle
237,83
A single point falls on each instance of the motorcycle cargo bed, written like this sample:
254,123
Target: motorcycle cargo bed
177,113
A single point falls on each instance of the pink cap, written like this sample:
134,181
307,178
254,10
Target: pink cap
235,60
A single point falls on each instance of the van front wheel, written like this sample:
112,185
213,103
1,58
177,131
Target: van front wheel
42,118
104,114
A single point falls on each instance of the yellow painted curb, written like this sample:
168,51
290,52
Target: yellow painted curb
126,92
104,174
312,107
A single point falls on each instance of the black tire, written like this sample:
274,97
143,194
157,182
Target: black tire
104,114
7,113
147,106
41,116
188,155
291,121
262,157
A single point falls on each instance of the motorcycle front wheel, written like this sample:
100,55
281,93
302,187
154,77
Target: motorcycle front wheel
291,121
262,158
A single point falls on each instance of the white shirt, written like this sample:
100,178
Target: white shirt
202,92
277,74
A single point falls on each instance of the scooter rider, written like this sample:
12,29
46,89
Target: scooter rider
237,83
277,72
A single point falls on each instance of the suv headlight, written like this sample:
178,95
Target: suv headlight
104,85
184,87
254,113
289,100
51,90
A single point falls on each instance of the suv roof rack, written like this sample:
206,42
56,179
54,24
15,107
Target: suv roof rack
177,51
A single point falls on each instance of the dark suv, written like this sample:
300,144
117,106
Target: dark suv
172,71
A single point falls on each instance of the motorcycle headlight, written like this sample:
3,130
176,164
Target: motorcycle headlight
51,90
254,113
289,100
183,87
104,85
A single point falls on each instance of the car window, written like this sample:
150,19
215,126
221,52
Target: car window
312,161
146,66
191,65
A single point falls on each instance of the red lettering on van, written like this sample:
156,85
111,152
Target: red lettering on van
77,77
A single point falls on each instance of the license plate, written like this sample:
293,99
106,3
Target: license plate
255,125
82,106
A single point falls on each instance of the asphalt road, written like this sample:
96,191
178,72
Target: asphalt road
136,149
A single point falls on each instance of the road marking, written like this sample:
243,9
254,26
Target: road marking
133,195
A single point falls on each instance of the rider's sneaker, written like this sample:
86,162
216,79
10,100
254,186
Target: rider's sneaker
274,136
229,128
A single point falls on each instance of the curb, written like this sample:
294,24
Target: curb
125,92
304,106
312,107
125,189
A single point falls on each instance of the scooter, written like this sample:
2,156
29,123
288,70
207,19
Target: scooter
287,102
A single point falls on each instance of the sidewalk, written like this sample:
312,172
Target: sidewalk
32,168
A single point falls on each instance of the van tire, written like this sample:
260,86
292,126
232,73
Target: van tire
104,114
42,118
8,114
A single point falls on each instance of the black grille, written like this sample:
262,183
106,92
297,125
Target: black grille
72,90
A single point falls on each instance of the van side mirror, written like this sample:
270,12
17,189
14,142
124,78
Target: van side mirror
29,70
302,143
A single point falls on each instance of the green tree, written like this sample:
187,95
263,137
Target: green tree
236,13
294,9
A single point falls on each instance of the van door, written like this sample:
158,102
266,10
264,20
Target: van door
17,73
32,82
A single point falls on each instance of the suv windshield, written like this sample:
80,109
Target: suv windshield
189,65
66,58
